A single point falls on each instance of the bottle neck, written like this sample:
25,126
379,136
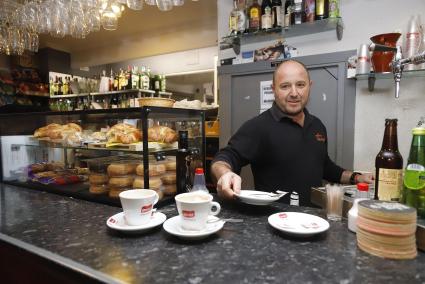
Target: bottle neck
390,141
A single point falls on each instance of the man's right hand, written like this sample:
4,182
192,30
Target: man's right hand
228,184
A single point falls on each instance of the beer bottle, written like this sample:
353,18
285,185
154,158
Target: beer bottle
389,165
414,176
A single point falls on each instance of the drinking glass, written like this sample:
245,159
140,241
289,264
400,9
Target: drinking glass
164,5
178,2
135,4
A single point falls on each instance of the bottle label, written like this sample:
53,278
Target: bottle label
414,177
389,184
320,7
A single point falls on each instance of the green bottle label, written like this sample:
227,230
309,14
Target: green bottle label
414,177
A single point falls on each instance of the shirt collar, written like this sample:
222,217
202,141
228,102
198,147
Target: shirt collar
278,114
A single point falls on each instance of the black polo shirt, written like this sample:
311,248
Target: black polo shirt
283,155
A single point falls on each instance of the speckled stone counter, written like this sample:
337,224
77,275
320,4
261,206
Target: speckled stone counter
74,233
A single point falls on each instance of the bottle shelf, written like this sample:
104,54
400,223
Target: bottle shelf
389,75
292,31
152,92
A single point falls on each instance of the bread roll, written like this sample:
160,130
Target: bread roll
98,188
160,193
154,169
95,178
169,189
170,165
36,168
169,178
162,134
122,181
115,192
121,169
154,183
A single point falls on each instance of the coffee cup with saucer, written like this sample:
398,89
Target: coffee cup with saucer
117,222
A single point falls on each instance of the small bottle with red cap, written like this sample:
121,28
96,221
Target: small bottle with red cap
199,181
362,190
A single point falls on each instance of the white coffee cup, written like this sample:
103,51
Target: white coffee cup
194,208
137,205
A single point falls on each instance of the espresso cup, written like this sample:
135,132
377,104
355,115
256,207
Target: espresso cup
137,205
194,209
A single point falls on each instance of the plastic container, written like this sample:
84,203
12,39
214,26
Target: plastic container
199,181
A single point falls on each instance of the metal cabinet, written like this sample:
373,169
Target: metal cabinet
332,99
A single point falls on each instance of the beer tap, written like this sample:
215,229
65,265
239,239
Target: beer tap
399,63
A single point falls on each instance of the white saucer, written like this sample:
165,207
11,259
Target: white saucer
117,222
172,226
255,197
298,224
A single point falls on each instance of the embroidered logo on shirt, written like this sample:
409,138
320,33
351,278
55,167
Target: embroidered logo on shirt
320,137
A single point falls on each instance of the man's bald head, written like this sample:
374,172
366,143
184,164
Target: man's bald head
285,63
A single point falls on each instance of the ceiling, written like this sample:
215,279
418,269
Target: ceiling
188,22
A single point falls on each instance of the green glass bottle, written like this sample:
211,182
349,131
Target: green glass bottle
414,177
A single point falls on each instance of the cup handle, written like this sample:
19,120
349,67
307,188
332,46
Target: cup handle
217,206
156,198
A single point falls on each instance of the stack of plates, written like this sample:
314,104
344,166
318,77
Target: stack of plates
387,229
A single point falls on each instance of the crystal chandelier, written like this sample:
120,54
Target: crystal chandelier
21,21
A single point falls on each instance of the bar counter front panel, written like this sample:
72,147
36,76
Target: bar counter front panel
73,234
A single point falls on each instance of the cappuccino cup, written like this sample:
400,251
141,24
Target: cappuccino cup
137,205
194,209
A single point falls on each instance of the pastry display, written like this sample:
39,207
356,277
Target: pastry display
97,179
123,133
98,188
114,192
162,134
170,164
154,183
121,168
170,189
155,169
169,178
122,181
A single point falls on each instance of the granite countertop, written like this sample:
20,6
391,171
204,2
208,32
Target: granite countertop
74,233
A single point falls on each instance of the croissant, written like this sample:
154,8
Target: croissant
56,131
123,133
161,134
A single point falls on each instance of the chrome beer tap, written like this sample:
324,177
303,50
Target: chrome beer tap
399,63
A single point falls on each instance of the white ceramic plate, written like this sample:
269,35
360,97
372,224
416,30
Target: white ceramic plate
172,226
255,197
298,224
117,222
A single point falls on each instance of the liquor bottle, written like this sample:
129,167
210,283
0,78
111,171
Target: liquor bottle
144,79
157,83
116,82
264,4
51,87
233,19
60,84
333,8
150,77
127,79
310,10
135,78
121,80
289,4
266,19
322,9
254,16
114,103
247,5
276,14
389,165
298,13
111,81
70,92
182,170
414,176
163,83
241,19
65,86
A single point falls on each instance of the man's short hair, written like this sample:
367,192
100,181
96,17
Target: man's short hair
291,60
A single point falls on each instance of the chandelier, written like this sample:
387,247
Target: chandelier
21,21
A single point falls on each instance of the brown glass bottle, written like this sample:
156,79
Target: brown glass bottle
389,165
254,16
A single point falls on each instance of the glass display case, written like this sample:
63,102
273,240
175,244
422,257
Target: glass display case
96,154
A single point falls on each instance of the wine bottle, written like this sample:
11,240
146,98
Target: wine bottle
254,16
389,165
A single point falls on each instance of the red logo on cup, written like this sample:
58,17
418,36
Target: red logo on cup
112,220
283,215
146,208
188,214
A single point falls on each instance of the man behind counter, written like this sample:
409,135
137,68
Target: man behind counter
285,145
